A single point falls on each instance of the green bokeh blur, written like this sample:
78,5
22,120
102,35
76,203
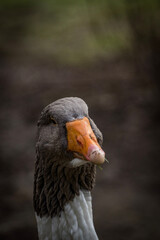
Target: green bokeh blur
74,32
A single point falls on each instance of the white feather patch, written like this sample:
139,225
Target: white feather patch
76,162
75,222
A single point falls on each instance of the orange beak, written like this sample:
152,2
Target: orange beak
83,142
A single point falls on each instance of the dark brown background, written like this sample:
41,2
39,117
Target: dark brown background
106,52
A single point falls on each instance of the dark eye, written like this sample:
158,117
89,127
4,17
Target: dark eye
53,121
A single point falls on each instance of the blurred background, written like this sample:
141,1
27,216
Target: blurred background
106,52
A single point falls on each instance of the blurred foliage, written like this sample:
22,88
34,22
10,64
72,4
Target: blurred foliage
68,31
74,32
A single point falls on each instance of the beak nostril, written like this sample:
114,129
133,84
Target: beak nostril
79,143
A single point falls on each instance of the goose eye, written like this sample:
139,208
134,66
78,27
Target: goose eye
53,121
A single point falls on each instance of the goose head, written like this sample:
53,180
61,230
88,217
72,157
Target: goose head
68,148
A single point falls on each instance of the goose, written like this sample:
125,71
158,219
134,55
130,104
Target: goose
68,148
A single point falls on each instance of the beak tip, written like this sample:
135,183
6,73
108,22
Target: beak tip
97,156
